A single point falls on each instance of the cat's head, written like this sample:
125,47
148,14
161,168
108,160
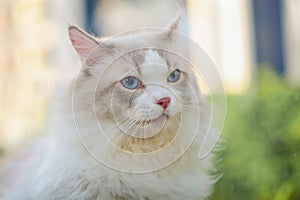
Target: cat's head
137,83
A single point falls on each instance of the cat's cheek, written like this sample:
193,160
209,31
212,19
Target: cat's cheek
172,110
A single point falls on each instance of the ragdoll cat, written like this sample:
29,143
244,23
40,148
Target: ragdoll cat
129,126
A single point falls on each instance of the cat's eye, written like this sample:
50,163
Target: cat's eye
174,76
131,82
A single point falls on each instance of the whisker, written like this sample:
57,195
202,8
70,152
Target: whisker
146,118
121,128
191,104
125,120
134,131
129,125
141,125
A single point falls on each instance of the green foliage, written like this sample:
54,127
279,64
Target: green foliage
261,159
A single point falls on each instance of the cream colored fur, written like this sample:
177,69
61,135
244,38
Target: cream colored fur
63,168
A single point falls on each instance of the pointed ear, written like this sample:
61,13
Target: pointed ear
173,26
82,42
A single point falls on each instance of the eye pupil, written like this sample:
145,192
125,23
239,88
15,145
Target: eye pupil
129,81
174,74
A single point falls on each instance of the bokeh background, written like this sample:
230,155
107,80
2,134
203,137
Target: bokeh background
255,45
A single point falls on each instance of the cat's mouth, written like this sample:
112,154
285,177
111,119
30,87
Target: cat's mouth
162,118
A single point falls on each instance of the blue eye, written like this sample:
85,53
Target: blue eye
131,82
174,76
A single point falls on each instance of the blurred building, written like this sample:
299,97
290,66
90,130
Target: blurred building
24,69
236,34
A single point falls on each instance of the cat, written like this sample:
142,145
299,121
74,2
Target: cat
126,127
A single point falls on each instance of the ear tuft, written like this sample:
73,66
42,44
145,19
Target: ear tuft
82,42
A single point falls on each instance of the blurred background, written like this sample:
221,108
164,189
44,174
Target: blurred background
255,45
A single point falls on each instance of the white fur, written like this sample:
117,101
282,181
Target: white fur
66,170
63,171
154,66
152,56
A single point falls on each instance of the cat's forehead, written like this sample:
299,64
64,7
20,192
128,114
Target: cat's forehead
153,63
152,56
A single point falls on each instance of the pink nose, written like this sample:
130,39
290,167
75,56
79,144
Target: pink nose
164,102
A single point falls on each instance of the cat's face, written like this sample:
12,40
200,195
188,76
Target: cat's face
147,96
143,92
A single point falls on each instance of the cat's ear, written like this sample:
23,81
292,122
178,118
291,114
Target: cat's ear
82,42
173,26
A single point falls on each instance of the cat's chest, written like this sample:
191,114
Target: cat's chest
99,183
103,183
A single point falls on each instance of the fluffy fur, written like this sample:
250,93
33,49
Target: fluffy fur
79,160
